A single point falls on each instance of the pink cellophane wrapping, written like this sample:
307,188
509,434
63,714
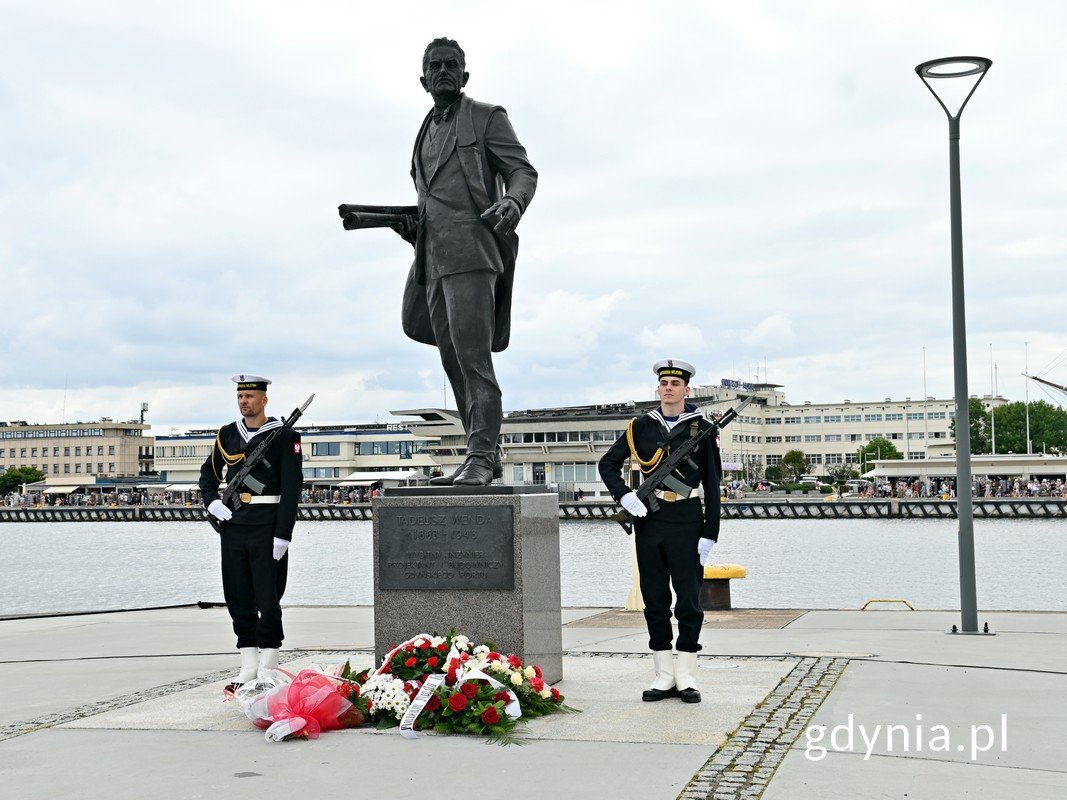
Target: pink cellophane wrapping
306,706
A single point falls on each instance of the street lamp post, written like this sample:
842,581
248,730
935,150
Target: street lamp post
937,70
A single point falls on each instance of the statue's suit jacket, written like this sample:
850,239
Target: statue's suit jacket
475,166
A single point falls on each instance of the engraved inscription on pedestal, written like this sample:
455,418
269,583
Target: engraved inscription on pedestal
446,547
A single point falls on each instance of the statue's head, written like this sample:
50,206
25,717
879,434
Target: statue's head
444,70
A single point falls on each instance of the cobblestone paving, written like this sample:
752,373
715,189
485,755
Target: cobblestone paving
739,770
14,729
746,762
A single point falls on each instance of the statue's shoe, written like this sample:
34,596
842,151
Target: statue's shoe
473,474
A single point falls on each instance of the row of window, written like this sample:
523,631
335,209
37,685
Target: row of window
568,473
831,418
54,469
11,451
49,434
539,437
404,449
322,472
847,437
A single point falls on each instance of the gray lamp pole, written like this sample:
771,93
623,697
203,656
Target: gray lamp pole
936,70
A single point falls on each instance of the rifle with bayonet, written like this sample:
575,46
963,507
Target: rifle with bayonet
231,495
662,476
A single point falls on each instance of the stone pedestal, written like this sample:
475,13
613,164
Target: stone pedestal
483,560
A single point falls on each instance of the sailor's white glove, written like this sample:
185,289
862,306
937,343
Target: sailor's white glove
634,505
280,546
704,550
219,510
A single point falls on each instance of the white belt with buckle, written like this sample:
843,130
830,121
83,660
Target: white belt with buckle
671,497
256,499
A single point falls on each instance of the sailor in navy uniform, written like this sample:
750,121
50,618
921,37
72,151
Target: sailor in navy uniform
674,542
255,538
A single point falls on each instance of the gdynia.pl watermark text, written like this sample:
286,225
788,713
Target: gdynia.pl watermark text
917,738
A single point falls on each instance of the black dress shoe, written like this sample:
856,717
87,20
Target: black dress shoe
473,474
443,480
690,695
652,695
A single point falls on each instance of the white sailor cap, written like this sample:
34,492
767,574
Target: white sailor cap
245,382
673,368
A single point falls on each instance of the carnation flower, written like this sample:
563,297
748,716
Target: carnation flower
515,662
556,696
481,651
537,684
516,678
529,673
545,693
498,666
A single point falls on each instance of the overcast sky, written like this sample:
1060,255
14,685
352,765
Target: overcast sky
734,184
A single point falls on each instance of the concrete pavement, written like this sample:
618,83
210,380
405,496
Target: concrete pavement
796,705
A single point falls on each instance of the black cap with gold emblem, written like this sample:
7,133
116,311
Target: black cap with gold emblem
673,368
245,382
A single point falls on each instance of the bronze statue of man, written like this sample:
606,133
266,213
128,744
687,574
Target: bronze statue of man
474,182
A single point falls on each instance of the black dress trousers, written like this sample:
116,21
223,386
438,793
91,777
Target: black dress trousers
667,557
252,579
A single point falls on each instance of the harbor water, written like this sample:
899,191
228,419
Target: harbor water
93,566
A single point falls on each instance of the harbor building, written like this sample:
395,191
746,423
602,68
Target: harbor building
78,452
562,446
333,455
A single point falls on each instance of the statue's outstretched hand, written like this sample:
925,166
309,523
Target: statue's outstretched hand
408,230
508,212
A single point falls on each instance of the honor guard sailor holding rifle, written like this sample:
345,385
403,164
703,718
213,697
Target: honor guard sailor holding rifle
674,541
255,521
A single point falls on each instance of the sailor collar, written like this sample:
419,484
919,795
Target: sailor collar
689,413
247,435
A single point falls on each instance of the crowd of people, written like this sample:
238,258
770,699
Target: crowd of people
327,496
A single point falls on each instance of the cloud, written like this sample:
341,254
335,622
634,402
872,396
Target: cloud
673,337
774,330
723,182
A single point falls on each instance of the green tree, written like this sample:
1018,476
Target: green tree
795,464
980,427
12,480
839,473
878,449
1048,427
775,473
